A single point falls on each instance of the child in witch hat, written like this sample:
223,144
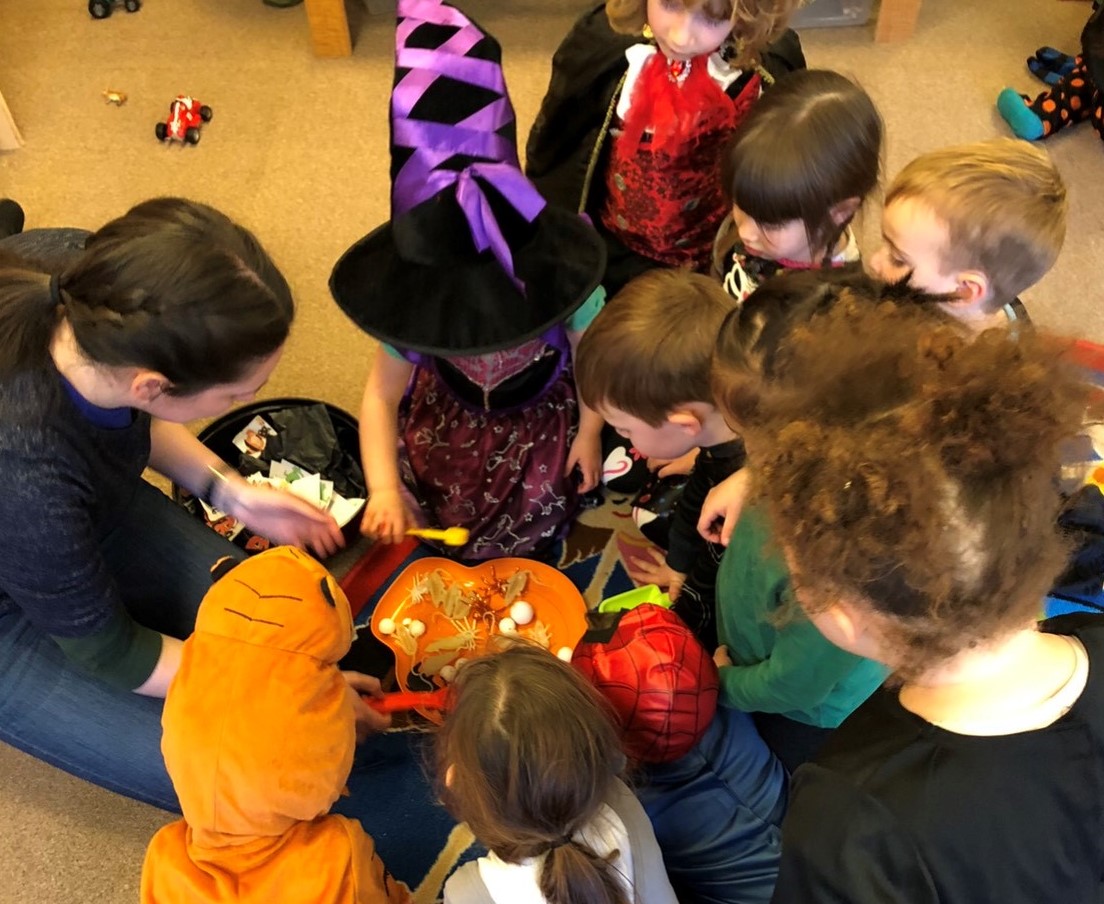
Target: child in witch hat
477,291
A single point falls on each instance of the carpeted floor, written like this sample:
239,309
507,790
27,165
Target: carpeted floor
298,151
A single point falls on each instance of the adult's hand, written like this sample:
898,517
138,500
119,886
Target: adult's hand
283,517
368,719
722,507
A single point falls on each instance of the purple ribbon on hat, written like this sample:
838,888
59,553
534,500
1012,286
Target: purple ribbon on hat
421,178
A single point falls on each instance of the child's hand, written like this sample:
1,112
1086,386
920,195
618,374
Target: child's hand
721,657
723,504
586,453
669,467
656,571
386,516
368,720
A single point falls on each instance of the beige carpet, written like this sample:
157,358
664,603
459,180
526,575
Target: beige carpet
297,149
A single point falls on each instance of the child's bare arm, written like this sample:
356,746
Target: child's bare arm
385,516
586,449
722,507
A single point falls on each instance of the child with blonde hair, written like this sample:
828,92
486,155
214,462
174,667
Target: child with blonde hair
529,758
643,97
982,222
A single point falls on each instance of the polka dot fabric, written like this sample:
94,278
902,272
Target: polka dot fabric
1073,99
662,683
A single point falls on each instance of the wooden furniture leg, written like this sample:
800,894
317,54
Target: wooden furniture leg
896,20
329,28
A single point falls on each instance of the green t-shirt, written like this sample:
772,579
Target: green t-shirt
788,668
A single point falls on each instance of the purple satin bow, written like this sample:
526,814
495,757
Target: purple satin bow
421,178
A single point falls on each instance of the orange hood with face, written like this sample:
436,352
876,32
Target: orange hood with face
259,734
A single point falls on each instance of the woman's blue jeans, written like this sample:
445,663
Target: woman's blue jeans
161,558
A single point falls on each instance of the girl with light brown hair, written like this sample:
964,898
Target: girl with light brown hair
529,758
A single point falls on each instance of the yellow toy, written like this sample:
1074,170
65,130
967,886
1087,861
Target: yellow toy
259,733
450,536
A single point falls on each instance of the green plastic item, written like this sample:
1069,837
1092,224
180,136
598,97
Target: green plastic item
630,599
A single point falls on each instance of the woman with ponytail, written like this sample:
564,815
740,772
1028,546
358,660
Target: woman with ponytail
109,342
908,470
529,759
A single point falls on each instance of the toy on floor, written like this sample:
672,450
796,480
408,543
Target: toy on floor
259,732
186,115
101,9
1074,95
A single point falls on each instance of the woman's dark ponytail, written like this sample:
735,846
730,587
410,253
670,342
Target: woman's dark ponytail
28,317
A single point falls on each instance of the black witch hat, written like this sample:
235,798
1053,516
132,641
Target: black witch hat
473,259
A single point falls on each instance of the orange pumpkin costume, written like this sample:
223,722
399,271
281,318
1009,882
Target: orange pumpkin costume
259,733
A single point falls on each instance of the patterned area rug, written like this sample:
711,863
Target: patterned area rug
388,789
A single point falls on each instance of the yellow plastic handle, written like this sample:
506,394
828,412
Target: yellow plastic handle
450,536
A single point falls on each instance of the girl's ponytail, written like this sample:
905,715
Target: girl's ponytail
28,316
573,874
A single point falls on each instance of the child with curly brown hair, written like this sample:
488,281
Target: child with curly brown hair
907,469
529,758
643,96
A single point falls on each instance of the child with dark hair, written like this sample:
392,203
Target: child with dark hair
643,95
529,758
796,172
907,470
713,790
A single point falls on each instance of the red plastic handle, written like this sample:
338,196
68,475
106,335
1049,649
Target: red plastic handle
404,700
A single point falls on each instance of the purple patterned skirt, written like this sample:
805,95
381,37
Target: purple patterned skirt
499,474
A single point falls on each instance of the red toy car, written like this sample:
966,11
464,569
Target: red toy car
186,115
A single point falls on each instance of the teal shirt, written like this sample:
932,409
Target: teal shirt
789,668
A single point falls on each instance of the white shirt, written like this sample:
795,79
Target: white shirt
518,883
637,55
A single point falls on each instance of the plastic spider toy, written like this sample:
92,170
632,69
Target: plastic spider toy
101,9
186,115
